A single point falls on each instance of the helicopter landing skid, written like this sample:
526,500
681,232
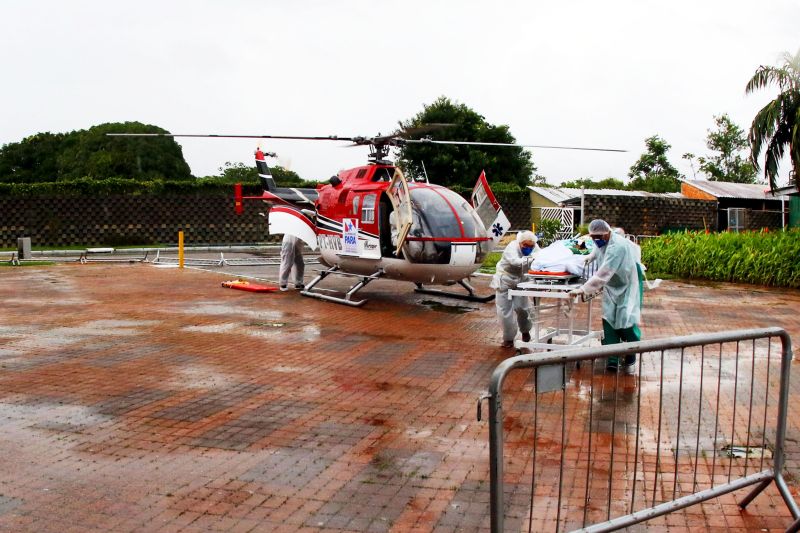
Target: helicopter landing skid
363,280
470,296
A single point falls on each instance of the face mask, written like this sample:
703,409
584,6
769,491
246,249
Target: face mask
526,250
600,242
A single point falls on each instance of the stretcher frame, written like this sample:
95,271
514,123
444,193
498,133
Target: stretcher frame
552,293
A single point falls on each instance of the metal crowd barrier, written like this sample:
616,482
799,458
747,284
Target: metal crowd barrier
90,257
222,261
13,259
594,450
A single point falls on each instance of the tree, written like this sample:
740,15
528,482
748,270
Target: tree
47,157
32,160
93,153
539,180
777,125
461,164
588,183
248,174
653,172
728,140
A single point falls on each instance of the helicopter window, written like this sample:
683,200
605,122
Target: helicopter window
471,223
434,215
441,212
368,210
355,205
382,174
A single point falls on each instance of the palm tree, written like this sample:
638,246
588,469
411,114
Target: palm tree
777,125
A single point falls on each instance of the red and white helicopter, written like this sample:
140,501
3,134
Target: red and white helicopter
370,222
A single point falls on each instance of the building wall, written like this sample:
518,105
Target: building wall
517,208
693,192
129,220
652,215
537,202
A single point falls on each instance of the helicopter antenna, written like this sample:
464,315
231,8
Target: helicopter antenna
424,171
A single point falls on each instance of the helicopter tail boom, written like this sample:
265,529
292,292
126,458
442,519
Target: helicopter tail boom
264,173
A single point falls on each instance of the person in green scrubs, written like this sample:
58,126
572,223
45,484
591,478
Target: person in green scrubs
620,275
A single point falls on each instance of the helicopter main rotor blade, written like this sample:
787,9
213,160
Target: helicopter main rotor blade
391,140
201,135
476,143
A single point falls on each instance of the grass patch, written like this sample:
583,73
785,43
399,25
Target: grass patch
27,264
489,264
82,247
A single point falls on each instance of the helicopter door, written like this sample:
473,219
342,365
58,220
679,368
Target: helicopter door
489,210
286,220
401,200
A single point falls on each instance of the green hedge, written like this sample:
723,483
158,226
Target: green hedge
210,185
762,257
122,186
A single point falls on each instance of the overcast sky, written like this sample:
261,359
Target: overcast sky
577,73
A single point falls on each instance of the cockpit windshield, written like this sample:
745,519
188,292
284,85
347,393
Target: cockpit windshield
440,212
439,217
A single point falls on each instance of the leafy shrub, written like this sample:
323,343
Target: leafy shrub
122,186
759,257
548,229
490,262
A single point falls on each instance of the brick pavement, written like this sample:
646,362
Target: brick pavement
134,398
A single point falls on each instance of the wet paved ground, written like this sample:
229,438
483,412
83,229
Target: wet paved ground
137,398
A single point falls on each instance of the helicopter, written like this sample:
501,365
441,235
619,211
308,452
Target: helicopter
371,222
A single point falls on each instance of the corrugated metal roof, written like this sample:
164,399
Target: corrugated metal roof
724,189
560,195
789,190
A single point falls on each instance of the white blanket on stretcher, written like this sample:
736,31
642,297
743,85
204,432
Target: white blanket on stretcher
558,258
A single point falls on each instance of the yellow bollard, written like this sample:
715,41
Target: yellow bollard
180,249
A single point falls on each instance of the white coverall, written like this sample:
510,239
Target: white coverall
509,272
291,257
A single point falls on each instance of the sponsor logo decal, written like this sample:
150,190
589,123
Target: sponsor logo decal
350,236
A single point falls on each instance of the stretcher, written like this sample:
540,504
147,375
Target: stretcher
554,313
242,285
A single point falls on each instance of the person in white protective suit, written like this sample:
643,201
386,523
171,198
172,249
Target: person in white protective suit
620,274
291,259
513,313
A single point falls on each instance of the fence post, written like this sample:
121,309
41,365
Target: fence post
24,248
180,249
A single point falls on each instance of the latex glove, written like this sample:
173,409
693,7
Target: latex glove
576,292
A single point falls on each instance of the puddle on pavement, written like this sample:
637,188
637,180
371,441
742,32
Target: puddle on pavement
274,329
285,369
200,377
743,452
60,337
219,309
212,328
447,308
310,333
48,415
